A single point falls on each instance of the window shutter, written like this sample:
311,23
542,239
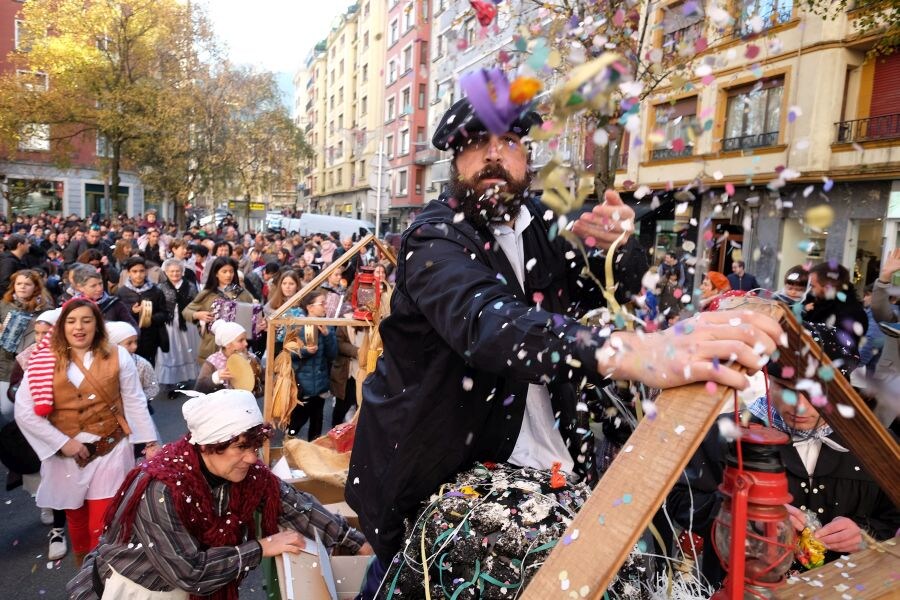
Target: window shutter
886,86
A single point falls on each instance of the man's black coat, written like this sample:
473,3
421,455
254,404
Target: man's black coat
9,264
461,345
154,336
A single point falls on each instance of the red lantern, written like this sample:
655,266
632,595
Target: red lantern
366,295
752,534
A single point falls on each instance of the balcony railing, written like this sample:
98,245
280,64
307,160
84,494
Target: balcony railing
778,12
666,153
747,142
874,128
427,157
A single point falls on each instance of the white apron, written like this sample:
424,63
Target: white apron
119,587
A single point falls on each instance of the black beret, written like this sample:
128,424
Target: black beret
460,123
837,345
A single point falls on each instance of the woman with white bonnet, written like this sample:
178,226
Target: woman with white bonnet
231,338
183,523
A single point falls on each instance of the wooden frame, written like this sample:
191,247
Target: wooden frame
621,508
277,320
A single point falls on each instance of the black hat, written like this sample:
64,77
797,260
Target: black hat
460,123
839,347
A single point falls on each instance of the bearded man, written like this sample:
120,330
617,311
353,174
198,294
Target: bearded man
482,349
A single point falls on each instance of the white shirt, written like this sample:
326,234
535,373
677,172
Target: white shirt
540,444
64,485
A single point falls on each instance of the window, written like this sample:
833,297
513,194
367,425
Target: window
393,33
340,173
341,67
753,115
675,121
103,149
407,58
365,73
469,31
404,142
420,177
366,38
391,109
423,53
331,128
409,17
366,10
33,81
362,170
389,142
405,103
759,15
439,6
34,137
420,138
340,122
680,30
364,105
422,95
341,95
20,44
340,150
392,71
402,188
440,46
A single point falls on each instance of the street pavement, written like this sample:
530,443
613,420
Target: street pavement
25,571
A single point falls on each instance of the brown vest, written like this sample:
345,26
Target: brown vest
81,408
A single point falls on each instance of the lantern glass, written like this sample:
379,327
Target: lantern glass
365,297
768,548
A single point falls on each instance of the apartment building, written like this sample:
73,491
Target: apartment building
29,177
788,111
406,79
341,90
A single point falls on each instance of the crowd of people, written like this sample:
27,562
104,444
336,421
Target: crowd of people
165,308
487,305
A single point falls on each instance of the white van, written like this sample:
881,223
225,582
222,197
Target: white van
308,224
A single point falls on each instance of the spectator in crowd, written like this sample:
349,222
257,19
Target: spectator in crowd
832,300
181,250
714,284
88,282
98,412
11,260
740,279
672,264
314,369
287,284
796,280
221,287
24,300
231,338
872,347
148,306
108,273
179,364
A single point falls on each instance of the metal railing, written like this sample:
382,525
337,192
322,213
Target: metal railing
873,128
779,13
746,142
666,153
427,156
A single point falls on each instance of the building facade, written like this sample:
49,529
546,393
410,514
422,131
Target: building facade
30,180
788,111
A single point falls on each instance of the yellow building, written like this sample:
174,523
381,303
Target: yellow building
783,112
345,94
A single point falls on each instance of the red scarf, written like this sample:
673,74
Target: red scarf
192,495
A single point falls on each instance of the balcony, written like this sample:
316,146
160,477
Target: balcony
748,142
667,153
884,127
427,157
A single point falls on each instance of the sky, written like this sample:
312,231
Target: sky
275,35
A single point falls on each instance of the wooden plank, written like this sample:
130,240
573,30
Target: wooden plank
323,275
631,491
865,575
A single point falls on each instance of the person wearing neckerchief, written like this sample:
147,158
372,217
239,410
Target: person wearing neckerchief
824,476
182,525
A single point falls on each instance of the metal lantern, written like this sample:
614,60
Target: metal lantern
366,295
752,534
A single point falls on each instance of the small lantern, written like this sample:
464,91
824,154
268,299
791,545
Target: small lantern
366,295
752,534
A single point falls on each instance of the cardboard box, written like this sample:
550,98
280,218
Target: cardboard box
324,492
343,509
313,575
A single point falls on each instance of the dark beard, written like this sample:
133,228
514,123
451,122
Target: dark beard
497,205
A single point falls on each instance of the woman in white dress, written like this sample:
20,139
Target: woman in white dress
179,364
98,412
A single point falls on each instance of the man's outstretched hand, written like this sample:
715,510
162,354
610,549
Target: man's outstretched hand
606,222
697,349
